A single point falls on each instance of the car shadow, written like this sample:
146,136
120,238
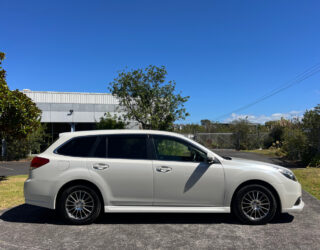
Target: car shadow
196,175
38,215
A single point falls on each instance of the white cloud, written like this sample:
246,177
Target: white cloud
264,118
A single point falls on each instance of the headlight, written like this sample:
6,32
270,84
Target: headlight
287,173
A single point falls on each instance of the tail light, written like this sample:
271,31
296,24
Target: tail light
38,162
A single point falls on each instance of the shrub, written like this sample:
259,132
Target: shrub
294,143
275,135
315,161
241,129
109,122
20,148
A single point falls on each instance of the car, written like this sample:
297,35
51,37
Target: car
86,173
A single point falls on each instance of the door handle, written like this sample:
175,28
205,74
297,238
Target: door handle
163,169
100,166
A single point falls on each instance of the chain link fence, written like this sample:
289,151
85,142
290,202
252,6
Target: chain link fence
228,140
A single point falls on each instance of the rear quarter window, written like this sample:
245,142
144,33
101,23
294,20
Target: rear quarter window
85,146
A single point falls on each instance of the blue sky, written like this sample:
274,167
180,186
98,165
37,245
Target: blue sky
223,54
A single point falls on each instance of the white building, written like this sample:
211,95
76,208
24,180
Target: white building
71,111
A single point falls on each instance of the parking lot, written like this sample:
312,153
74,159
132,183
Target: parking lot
30,227
14,168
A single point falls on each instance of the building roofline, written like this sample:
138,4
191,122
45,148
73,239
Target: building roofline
58,92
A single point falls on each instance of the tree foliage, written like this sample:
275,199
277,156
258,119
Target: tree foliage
19,115
311,125
33,143
241,130
109,122
294,143
148,99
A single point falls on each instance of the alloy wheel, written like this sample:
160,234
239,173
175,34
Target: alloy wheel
79,205
255,205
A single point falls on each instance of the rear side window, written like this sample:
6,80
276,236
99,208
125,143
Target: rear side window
127,147
85,146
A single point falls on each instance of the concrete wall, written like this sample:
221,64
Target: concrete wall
74,107
74,112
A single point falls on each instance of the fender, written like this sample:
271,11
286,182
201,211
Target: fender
78,174
235,177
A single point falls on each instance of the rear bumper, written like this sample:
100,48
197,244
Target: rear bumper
36,193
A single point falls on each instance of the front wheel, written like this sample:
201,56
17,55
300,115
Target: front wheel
79,205
255,204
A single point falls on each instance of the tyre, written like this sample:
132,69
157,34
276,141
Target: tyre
254,204
79,205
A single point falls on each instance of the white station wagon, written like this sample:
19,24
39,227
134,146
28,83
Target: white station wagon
85,173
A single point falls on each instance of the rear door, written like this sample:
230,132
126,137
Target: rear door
126,170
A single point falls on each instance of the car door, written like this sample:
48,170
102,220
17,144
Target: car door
126,170
183,177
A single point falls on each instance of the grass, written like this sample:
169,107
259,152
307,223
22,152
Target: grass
267,152
11,191
310,180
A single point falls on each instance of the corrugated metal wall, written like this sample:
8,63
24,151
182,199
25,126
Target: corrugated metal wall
70,97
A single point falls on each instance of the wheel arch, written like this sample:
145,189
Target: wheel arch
262,183
79,182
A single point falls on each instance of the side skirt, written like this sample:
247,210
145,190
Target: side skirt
160,209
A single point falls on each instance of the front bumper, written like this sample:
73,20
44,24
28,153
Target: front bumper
294,209
290,194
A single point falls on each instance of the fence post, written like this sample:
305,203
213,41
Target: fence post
3,149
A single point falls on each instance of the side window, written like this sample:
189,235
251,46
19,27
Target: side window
127,147
85,146
100,147
171,149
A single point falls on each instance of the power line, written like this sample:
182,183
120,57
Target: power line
299,78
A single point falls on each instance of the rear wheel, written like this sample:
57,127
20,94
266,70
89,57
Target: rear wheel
255,204
79,205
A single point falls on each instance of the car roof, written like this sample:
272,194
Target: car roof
118,131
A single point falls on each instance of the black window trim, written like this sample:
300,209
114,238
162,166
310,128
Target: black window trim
155,155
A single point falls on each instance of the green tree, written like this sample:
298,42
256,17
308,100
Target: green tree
109,122
33,143
311,125
241,130
19,115
294,144
148,99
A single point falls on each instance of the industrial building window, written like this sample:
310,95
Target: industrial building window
127,146
85,146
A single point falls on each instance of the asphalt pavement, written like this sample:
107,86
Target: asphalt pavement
14,168
30,227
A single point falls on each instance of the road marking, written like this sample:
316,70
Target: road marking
7,168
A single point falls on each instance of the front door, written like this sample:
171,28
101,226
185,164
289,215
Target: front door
182,177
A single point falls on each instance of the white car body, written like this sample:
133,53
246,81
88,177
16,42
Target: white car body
128,185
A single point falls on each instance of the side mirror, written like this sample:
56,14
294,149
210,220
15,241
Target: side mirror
210,159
